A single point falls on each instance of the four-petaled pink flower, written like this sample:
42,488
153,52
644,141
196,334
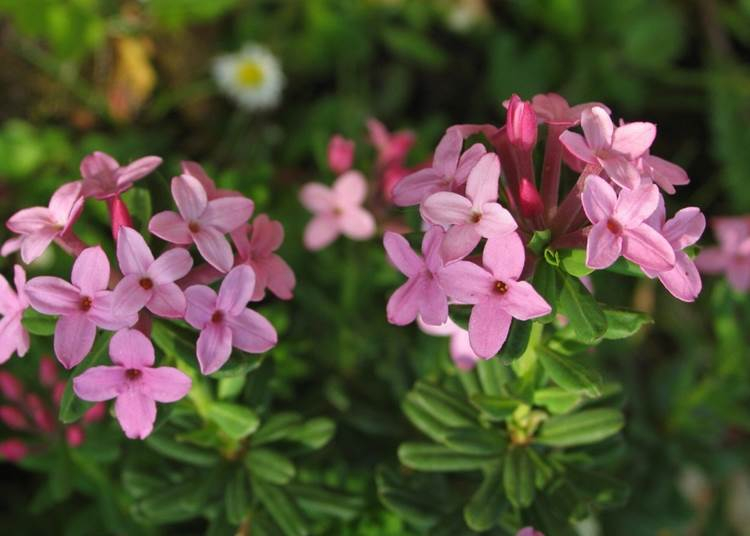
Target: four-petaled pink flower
82,305
614,149
194,169
225,321
664,173
460,348
201,221
553,109
257,251
476,215
134,382
495,291
149,283
732,256
620,228
104,178
39,226
337,210
13,336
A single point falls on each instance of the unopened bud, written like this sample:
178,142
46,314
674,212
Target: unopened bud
119,215
340,154
521,124
10,386
74,435
47,371
13,418
530,201
95,413
13,450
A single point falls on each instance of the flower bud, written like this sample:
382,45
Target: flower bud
13,450
13,418
95,413
74,435
530,201
119,215
10,386
340,154
39,412
47,371
521,124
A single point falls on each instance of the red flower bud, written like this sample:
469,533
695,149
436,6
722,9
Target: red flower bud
530,201
47,371
13,450
10,386
42,416
521,124
74,435
340,154
13,418
95,413
119,215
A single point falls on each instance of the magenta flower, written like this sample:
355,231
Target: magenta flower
495,291
476,215
337,210
732,256
340,154
614,149
201,221
104,178
553,109
450,169
422,293
134,381
460,348
271,271
39,226
13,336
194,169
620,228
147,282
664,173
82,305
225,321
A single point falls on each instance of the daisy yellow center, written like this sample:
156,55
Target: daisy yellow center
249,74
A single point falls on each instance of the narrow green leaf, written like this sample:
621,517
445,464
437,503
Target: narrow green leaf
495,408
447,407
556,399
493,376
236,499
318,501
546,282
173,503
72,408
518,477
181,452
414,505
423,419
517,341
622,323
488,502
315,433
432,457
623,266
583,428
38,324
570,373
475,440
269,465
579,306
234,420
276,428
282,509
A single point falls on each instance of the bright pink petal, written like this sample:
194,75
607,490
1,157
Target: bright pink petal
320,232
597,127
633,139
465,282
317,197
683,281
136,170
603,247
214,346
685,228
646,247
281,280
171,265
165,384
712,260
357,223
495,221
468,160
201,304
33,245
401,255
521,301
106,316
598,199
433,306
416,187
483,181
447,153
350,189
403,305
190,197
30,220
100,383
447,208
129,295
251,332
577,146
621,171
171,227
74,338
53,296
236,290
136,413
227,213
168,301
634,206
214,247
133,254
131,349
8,298
459,241
488,327
504,256
91,271
64,200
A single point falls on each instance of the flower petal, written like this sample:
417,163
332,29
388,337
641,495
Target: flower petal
357,223
171,227
106,316
446,208
495,221
171,265
633,139
466,282
168,301
483,181
317,197
267,235
214,248
74,338
598,199
685,228
738,274
401,255
190,196
100,383
252,332
664,173
53,296
97,170
281,280
214,346
521,301
433,305
488,327
403,305
712,260
459,241
91,271
165,384
136,413
416,187
201,304
683,281
228,213
634,206
597,127
432,245
603,247
63,200
468,161
127,175
576,145
129,296
320,232
646,247
133,254
131,349
350,189
33,245
447,153
236,290
504,256
30,220
622,172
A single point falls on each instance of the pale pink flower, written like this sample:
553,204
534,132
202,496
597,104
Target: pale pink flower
257,251
473,216
134,381
13,336
39,226
201,221
620,228
82,305
104,178
553,109
495,291
225,320
147,282
521,123
391,148
460,348
450,169
337,210
340,154
664,173
615,149
732,256
194,169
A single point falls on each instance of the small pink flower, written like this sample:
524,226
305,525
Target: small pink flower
134,382
149,283
337,210
340,154
194,169
225,320
521,123
495,291
13,450
620,229
732,256
476,215
201,221
39,226
104,178
615,149
664,173
82,305
271,271
391,148
553,109
13,336
460,348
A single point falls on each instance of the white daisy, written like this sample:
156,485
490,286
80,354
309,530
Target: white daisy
252,76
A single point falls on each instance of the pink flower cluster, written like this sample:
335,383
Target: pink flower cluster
125,297
732,255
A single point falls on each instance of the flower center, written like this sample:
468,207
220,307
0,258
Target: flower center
249,74
86,303
614,226
194,227
132,374
217,317
146,283
501,287
337,211
475,217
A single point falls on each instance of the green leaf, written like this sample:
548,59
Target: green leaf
432,457
582,428
236,499
276,428
546,283
584,314
423,420
322,502
315,433
622,323
413,45
495,408
539,240
573,261
281,508
623,266
138,201
556,399
38,324
449,408
181,452
416,505
239,364
474,440
493,376
269,465
517,342
173,503
234,420
72,408
483,510
569,372
518,477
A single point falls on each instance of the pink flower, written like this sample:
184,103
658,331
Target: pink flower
620,228
271,271
134,382
104,178
521,123
391,148
225,321
39,226
82,305
612,148
340,154
733,254
495,291
422,293
460,348
202,221
149,283
529,531
476,215
337,210
13,336
194,169
450,169
665,174
553,109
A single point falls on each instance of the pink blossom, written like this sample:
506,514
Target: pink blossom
340,154
521,123
257,251
13,449
553,109
620,229
225,321
147,282
337,210
529,531
134,381
450,169
13,336
39,226
201,221
476,215
391,148
460,348
615,149
194,169
495,291
664,173
732,256
82,305
104,178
